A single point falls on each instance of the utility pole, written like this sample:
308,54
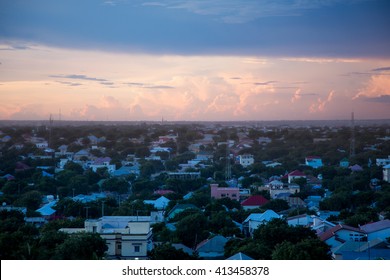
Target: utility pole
352,147
228,170
103,208
86,210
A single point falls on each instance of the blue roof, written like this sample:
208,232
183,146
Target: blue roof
47,210
239,256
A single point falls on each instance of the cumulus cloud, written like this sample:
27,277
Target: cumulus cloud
377,86
320,105
297,95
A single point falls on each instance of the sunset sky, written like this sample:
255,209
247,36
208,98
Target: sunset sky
194,60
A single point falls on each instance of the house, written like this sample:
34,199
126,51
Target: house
382,161
81,154
204,156
89,198
127,237
300,220
218,193
365,250
20,167
294,202
6,138
63,149
184,175
103,162
163,192
126,171
239,257
254,220
178,208
184,248
386,173
42,145
8,177
254,202
246,160
276,187
380,229
160,203
356,168
321,225
296,174
313,161
47,210
340,234
213,248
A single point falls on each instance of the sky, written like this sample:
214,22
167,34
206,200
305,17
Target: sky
194,60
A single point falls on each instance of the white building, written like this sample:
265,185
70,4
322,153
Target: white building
127,237
254,220
246,160
386,173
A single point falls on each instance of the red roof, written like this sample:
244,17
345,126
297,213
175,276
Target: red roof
254,200
313,157
330,232
163,192
297,173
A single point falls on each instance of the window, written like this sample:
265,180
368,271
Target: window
137,247
119,246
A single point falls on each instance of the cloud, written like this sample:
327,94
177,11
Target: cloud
69,83
265,83
322,60
109,108
381,69
148,86
14,47
237,11
298,95
79,77
377,86
378,99
320,105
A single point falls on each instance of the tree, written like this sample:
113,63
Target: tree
307,249
83,246
277,205
192,229
167,252
221,223
116,185
72,166
31,200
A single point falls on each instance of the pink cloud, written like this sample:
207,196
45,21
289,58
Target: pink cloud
320,105
377,86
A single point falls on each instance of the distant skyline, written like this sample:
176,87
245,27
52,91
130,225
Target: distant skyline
194,60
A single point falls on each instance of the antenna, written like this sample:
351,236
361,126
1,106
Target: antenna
50,128
228,170
352,147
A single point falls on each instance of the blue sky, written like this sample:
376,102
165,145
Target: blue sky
252,27
219,60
